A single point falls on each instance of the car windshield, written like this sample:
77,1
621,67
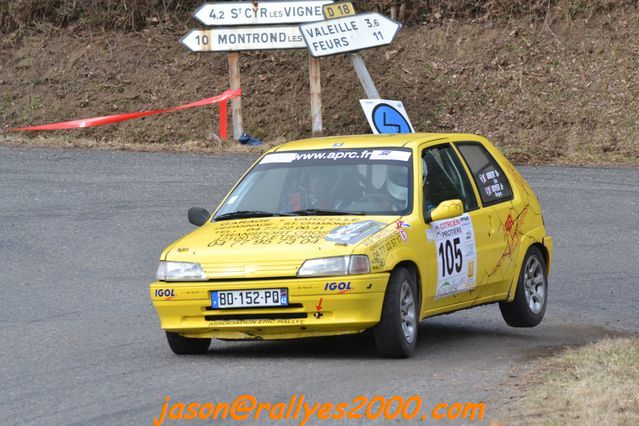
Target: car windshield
326,182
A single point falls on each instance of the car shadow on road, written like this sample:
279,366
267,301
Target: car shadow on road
434,337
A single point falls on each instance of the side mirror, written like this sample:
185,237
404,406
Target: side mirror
198,216
446,210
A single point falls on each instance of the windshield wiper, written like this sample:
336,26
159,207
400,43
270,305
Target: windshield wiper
246,214
319,212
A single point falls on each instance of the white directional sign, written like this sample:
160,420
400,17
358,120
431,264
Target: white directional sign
349,34
266,12
243,38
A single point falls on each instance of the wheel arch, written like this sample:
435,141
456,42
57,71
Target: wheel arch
414,269
537,239
544,252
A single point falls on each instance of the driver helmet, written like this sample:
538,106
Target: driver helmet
397,184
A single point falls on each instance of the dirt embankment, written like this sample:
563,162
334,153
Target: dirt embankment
596,384
546,90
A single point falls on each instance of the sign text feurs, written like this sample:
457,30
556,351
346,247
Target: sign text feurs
348,34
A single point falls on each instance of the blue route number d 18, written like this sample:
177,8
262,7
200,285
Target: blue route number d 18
389,120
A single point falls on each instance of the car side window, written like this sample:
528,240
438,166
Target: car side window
490,179
444,178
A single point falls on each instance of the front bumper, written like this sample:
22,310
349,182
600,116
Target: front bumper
185,308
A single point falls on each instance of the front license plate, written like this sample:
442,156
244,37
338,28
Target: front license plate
249,298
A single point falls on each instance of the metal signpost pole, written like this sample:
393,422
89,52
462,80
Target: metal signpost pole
348,32
364,76
344,31
340,10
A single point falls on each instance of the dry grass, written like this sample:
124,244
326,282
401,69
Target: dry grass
597,384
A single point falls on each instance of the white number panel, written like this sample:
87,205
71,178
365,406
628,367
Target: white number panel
456,255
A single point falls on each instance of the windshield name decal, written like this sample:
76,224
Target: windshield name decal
335,155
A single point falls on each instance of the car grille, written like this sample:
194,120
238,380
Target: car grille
271,268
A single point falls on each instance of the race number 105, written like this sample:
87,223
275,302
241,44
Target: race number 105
450,257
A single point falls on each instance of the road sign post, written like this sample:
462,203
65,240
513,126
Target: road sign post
257,26
236,103
316,96
373,22
364,76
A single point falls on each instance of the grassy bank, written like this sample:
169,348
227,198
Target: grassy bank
597,384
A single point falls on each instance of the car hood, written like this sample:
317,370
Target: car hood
271,247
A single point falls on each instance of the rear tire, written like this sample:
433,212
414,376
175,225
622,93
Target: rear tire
531,296
396,333
181,345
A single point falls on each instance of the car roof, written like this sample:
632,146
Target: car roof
408,140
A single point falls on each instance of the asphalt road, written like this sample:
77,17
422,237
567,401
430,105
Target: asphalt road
80,235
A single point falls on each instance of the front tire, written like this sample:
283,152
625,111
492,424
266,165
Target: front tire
396,334
181,345
531,296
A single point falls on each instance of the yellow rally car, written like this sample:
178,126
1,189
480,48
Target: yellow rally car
338,235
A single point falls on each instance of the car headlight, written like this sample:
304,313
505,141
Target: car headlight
339,265
180,271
